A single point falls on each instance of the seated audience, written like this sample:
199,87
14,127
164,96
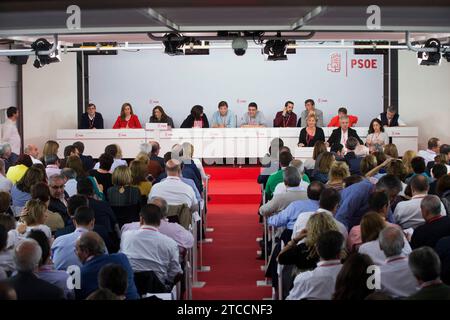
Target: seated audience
304,180
397,280
319,148
351,281
41,192
390,150
188,155
443,191
353,161
197,119
160,116
223,118
114,277
115,152
103,174
419,168
341,134
103,294
90,249
338,151
436,224
287,117
408,214
406,159
149,250
310,134
69,151
139,173
391,118
51,147
127,119
281,200
334,122
426,266
91,119
34,216
15,173
253,118
122,193
338,172
21,192
27,285
70,186
432,151
5,183
33,152
319,283
325,163
274,179
58,196
88,162
9,157
376,138
155,159
437,171
310,107
46,270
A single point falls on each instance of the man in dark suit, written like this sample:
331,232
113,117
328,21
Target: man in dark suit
353,161
27,285
58,197
91,119
88,162
90,249
341,134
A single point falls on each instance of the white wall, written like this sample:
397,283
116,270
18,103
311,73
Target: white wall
424,97
49,99
8,82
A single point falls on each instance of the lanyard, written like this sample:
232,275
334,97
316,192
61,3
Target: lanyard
285,122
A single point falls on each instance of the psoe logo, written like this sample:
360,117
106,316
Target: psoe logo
335,63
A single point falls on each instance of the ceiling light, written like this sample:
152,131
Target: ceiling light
430,58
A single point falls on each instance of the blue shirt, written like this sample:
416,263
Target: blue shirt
63,250
19,198
92,267
229,120
354,203
288,216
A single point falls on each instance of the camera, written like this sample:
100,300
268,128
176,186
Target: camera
239,46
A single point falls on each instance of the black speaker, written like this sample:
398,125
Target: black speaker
18,60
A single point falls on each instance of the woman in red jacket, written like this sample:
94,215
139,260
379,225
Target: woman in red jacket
127,119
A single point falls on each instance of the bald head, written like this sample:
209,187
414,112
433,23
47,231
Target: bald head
173,168
419,185
27,255
90,244
31,150
161,203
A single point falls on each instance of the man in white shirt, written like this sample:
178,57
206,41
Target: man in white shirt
173,189
396,277
10,134
33,152
328,203
149,250
433,150
408,214
319,284
281,187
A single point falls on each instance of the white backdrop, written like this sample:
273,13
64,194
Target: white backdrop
149,78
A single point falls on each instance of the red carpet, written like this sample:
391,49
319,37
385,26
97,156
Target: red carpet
235,197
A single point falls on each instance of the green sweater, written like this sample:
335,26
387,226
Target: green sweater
276,178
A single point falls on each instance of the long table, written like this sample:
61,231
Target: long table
214,143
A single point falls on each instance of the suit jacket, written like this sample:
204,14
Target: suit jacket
335,137
88,162
354,163
58,206
91,269
85,123
29,287
319,136
284,122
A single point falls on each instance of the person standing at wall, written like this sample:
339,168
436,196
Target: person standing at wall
10,134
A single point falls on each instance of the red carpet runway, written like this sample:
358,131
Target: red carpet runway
235,197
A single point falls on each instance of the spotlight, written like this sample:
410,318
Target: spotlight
40,45
276,50
430,58
239,46
446,56
173,47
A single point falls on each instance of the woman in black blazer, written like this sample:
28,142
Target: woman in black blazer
310,134
196,119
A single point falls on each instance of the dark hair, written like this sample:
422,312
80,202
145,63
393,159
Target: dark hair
151,214
319,148
425,264
389,184
342,110
68,150
164,116
443,185
419,183
51,159
3,237
329,244
5,201
11,111
25,159
378,200
433,143
253,104
80,146
336,147
84,215
445,148
285,158
418,165
439,170
106,161
391,150
310,101
75,202
30,178
91,105
351,143
351,282
74,163
288,103
354,178
222,104
7,221
329,198
42,240
122,110
85,187
396,168
380,156
113,277
112,150
40,191
371,130
196,112
167,156
102,294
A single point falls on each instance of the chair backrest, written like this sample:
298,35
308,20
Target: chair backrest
148,282
181,214
126,214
